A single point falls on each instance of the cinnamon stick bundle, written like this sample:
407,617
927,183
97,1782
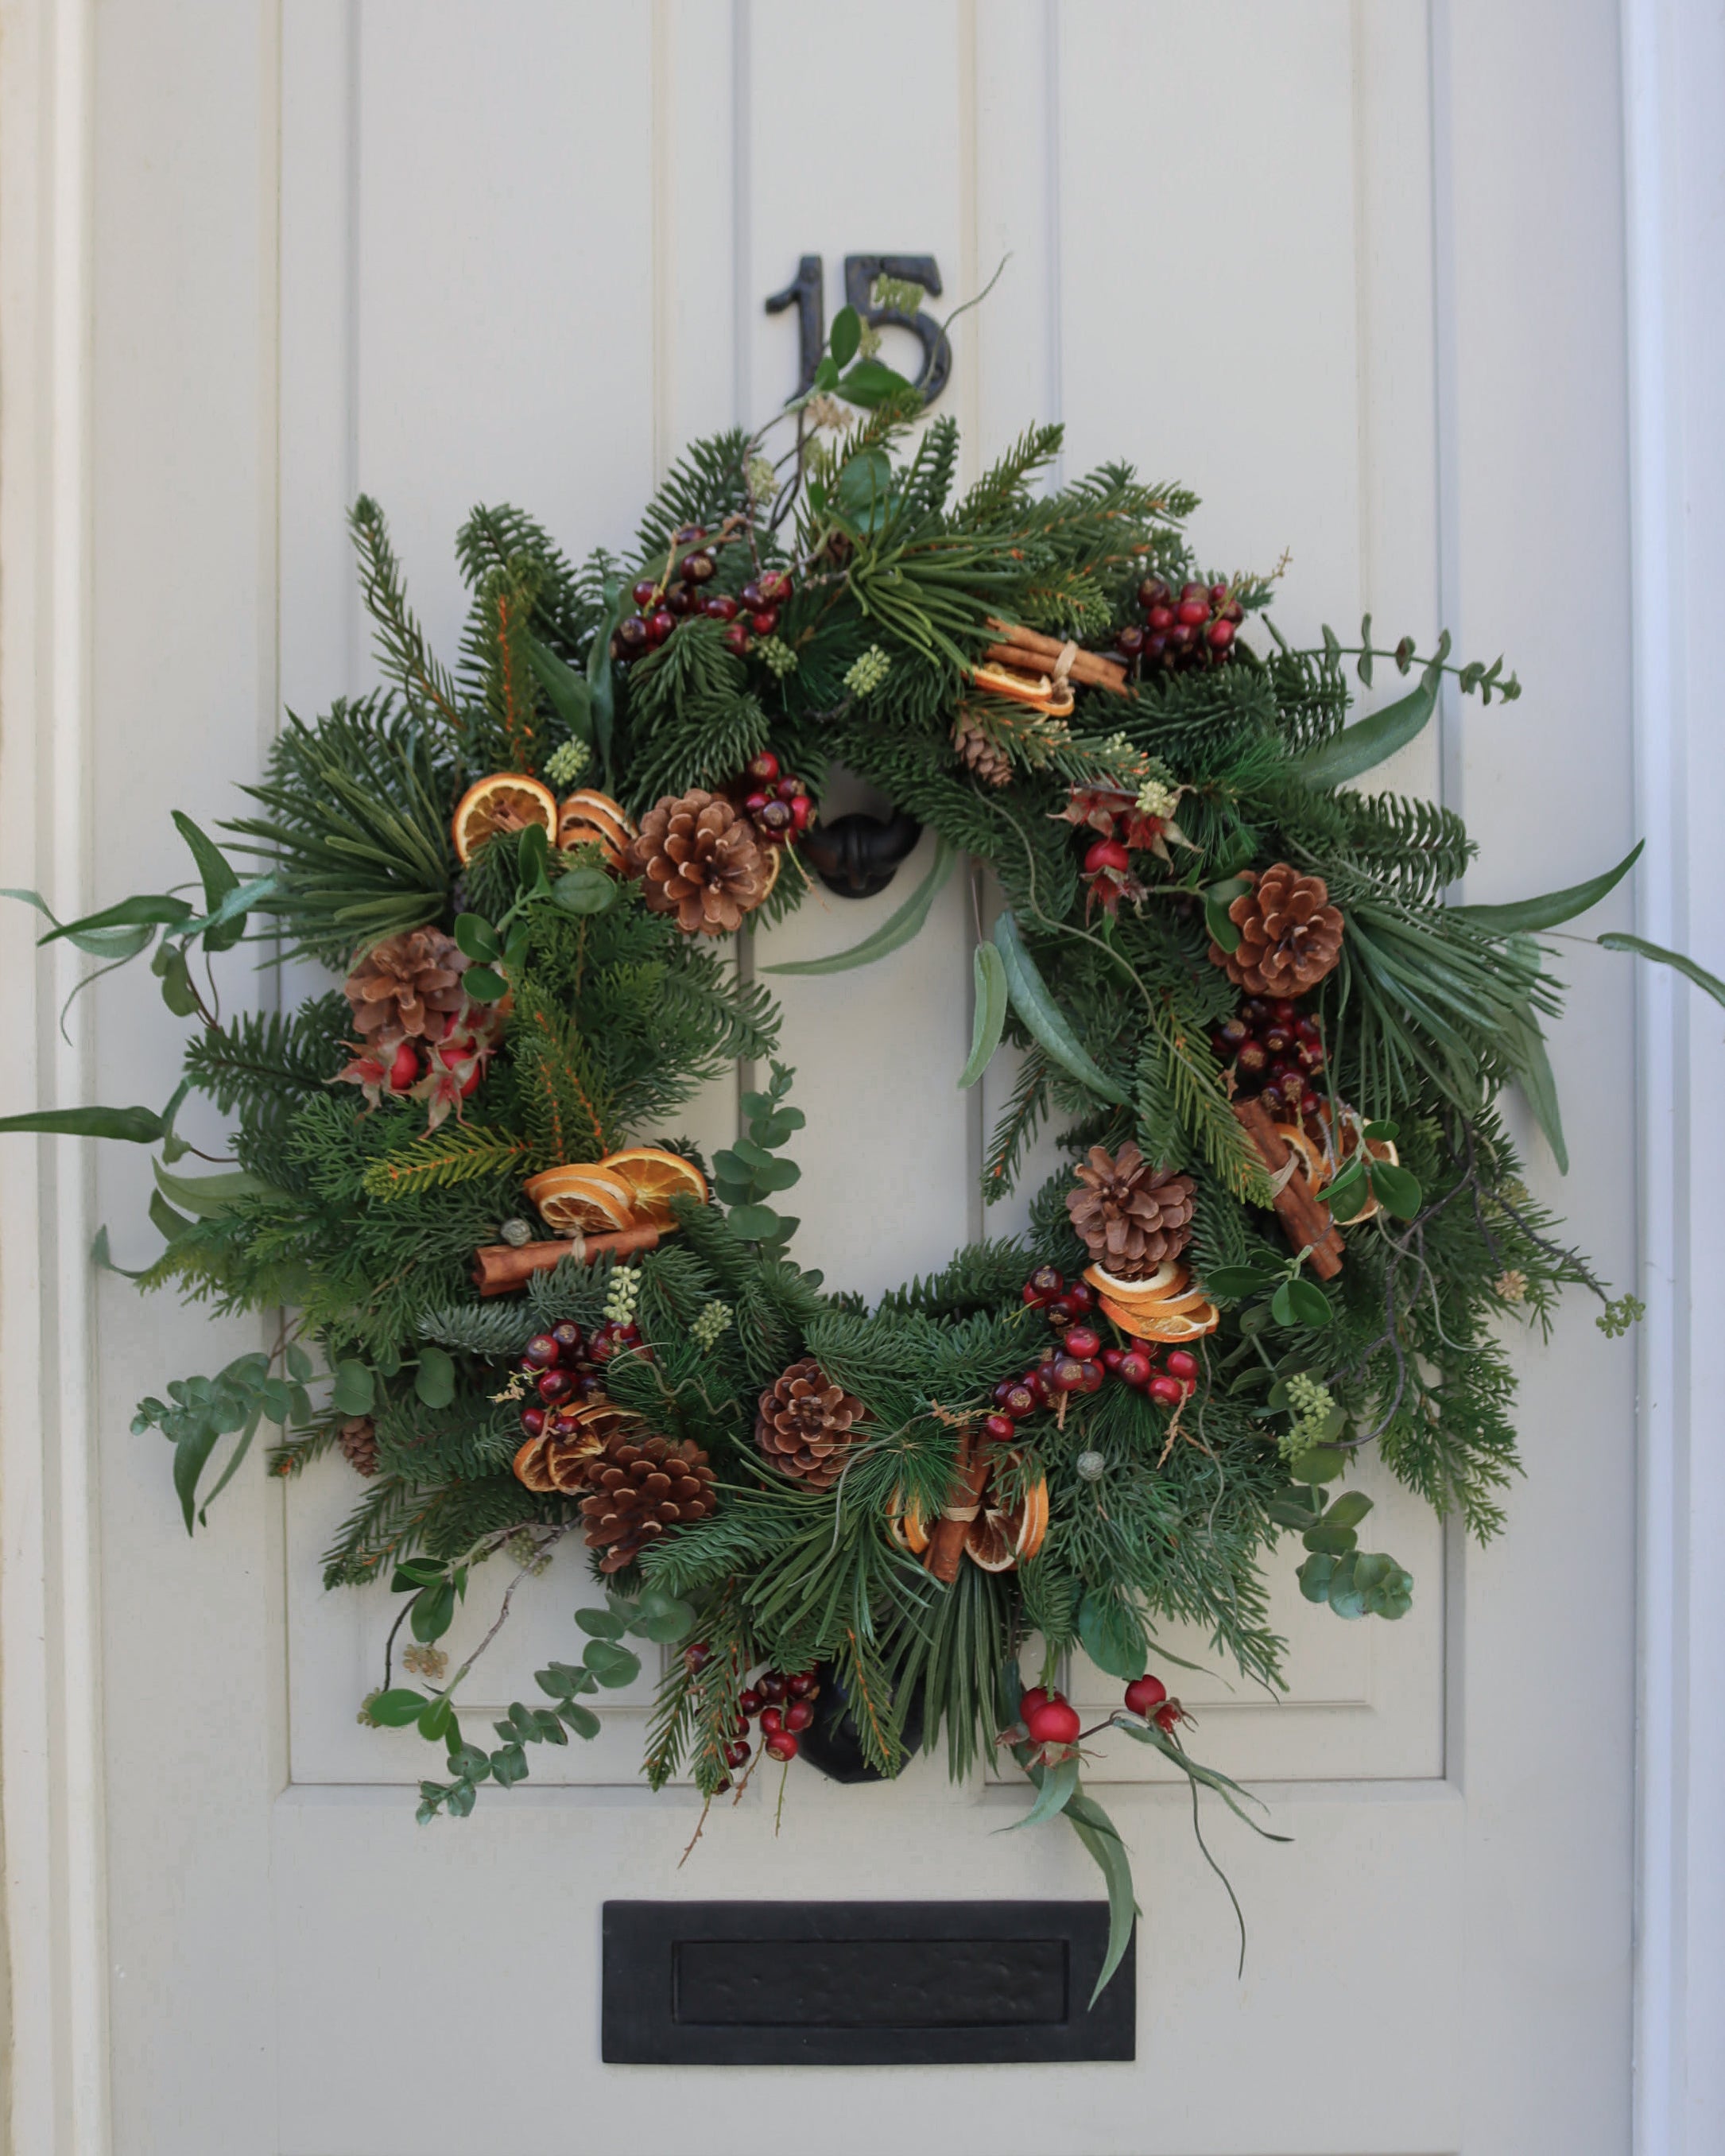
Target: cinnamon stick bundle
499,1268
964,1500
1017,645
1305,1218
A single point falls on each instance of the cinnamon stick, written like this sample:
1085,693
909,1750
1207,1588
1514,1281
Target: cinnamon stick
499,1268
964,1500
1305,1218
1019,643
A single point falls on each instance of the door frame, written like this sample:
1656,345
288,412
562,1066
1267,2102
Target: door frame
54,1977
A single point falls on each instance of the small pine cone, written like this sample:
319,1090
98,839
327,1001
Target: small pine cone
640,1488
697,857
1290,934
1133,1217
980,756
806,1426
403,986
358,1441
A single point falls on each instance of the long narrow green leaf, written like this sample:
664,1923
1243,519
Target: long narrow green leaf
117,944
1616,940
570,693
1102,1838
1042,1017
1534,1073
1528,915
1056,1786
207,1195
151,908
138,1126
892,934
990,1013
1357,748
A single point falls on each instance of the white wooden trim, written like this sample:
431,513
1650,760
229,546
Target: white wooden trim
1674,109
50,1733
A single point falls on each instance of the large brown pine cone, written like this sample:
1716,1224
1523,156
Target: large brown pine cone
1290,934
1133,1217
697,857
358,1441
642,1486
807,1426
403,989
980,756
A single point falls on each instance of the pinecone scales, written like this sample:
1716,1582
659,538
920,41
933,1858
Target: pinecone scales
404,988
641,1487
980,756
697,857
1290,934
806,1425
357,1438
1133,1216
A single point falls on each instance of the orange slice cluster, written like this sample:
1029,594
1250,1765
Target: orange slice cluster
1000,1536
588,818
492,808
556,1460
632,1187
1167,1306
1317,1163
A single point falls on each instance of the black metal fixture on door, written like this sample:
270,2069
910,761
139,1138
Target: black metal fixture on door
807,293
857,856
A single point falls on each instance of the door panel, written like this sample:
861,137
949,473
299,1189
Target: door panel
522,254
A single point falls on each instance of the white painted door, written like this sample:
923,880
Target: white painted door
1353,273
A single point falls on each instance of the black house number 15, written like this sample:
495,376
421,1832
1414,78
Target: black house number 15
807,293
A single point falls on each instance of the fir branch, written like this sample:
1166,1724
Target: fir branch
457,1153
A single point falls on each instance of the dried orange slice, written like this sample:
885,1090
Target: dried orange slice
1041,691
1167,1279
906,1526
655,1177
1192,1326
530,1467
584,1200
1312,1158
507,801
588,818
1000,1536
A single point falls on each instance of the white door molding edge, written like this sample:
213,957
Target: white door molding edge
1674,123
56,2076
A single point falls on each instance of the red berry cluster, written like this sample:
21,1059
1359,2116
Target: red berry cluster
566,1367
1079,1362
776,802
662,603
784,1704
1195,630
1049,1717
1148,1696
1275,1050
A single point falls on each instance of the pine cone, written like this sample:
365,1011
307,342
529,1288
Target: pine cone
358,1441
805,1425
1133,1217
979,755
698,858
641,1486
1290,934
403,987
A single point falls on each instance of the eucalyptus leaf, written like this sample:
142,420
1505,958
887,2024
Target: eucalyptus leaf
137,1126
990,1013
1357,748
1710,983
892,933
1043,1018
1055,1786
355,1388
434,1380
1528,915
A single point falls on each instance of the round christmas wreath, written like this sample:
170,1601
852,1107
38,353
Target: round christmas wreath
1293,1224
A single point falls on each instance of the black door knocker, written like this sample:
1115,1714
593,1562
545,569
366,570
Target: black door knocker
857,856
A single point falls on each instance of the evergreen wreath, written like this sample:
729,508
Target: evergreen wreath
1293,1226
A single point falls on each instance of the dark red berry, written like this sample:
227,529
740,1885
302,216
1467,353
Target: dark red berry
749,1700
1257,1011
698,567
1019,1402
804,1685
1129,641
1309,1103
764,769
556,1385
1061,1311
799,1715
1083,1342
737,638
737,1752
720,606
999,1427
533,1420
790,787
783,1745
541,1352
1161,619
1251,1056
686,535
802,809
1219,635
1234,1030
775,587
764,620
1193,592
771,1720
740,1727
697,1656
1144,1693
682,600
1153,592
753,595
1191,614
1082,1296
1069,1374
1055,1722
1135,1368
770,1684
644,594
566,1333
1112,1358
660,625
632,637
1166,1392
1219,595
1181,1364
1283,1012
756,803
1094,1375
776,820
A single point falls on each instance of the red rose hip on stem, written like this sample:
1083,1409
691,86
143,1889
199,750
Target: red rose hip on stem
1036,1697
1056,1721
1144,1693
